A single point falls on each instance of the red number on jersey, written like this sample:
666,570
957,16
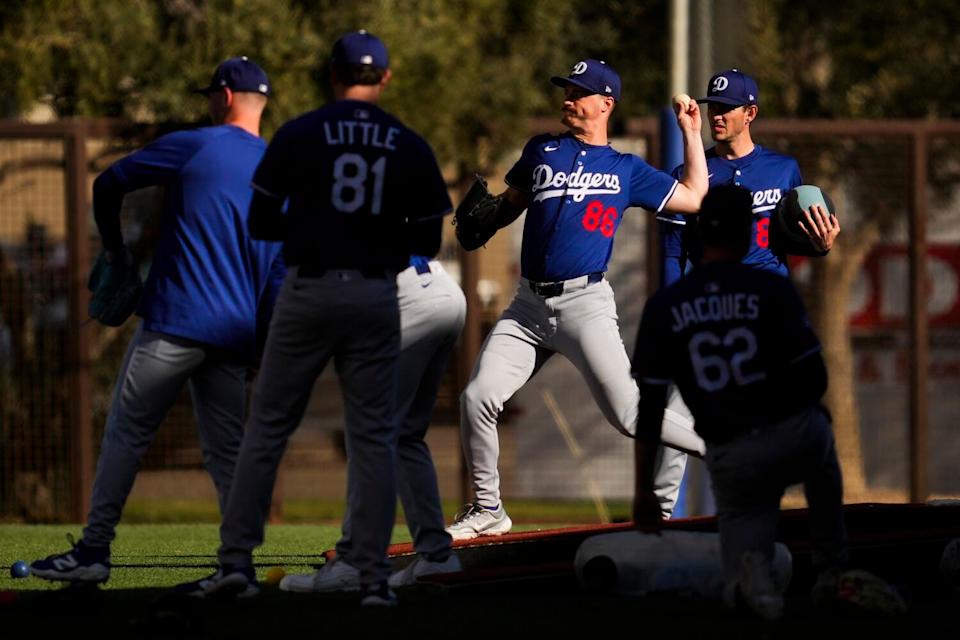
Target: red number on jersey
591,219
763,233
597,217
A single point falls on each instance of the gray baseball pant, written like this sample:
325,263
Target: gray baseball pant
750,474
154,370
581,324
432,313
356,322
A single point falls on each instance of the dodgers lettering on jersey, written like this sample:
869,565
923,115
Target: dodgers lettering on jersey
355,177
209,281
578,195
723,334
768,175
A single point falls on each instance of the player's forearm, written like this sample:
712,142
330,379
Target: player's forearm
424,237
694,167
644,459
267,220
107,202
653,403
513,203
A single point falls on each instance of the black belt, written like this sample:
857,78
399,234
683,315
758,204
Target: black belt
551,289
371,273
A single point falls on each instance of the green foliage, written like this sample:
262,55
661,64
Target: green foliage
464,72
853,59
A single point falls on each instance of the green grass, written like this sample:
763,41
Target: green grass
149,558
146,556
162,555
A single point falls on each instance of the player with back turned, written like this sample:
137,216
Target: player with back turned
737,343
576,189
364,193
204,309
733,102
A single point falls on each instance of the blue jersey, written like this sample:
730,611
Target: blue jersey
768,175
726,334
578,195
358,184
209,280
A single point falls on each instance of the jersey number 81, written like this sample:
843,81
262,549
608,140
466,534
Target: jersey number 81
350,172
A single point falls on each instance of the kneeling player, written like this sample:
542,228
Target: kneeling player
737,343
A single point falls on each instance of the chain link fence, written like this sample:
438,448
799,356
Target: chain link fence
57,373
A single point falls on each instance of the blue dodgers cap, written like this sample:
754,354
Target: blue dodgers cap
732,87
238,74
593,75
361,47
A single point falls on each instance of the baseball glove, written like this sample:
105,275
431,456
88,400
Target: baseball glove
477,217
116,288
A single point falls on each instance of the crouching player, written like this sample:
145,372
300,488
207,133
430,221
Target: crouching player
737,343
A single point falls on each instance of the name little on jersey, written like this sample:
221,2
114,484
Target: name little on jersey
368,134
715,308
579,184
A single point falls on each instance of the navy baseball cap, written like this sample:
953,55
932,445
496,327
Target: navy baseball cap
238,74
732,87
593,75
361,47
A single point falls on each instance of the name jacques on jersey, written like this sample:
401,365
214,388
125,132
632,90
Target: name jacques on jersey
578,184
715,308
368,134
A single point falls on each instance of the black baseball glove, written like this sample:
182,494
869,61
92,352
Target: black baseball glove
116,286
478,216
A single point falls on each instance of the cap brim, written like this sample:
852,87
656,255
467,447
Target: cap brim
721,100
562,82
204,90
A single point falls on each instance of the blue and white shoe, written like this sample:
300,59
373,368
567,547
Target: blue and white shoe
228,581
83,563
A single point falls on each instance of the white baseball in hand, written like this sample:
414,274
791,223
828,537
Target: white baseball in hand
683,101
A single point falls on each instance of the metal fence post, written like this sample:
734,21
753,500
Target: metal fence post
78,333
919,329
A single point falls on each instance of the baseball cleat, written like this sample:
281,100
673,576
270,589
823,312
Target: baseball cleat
228,581
336,575
756,586
423,567
476,520
380,595
81,564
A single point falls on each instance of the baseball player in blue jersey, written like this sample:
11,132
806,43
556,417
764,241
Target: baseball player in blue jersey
732,105
575,188
208,284
364,193
737,343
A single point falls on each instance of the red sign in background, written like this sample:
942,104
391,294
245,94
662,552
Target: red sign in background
880,296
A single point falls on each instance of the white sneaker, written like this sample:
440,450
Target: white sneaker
757,588
476,520
336,575
423,567
380,595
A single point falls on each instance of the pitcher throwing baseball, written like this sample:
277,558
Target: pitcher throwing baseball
575,188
